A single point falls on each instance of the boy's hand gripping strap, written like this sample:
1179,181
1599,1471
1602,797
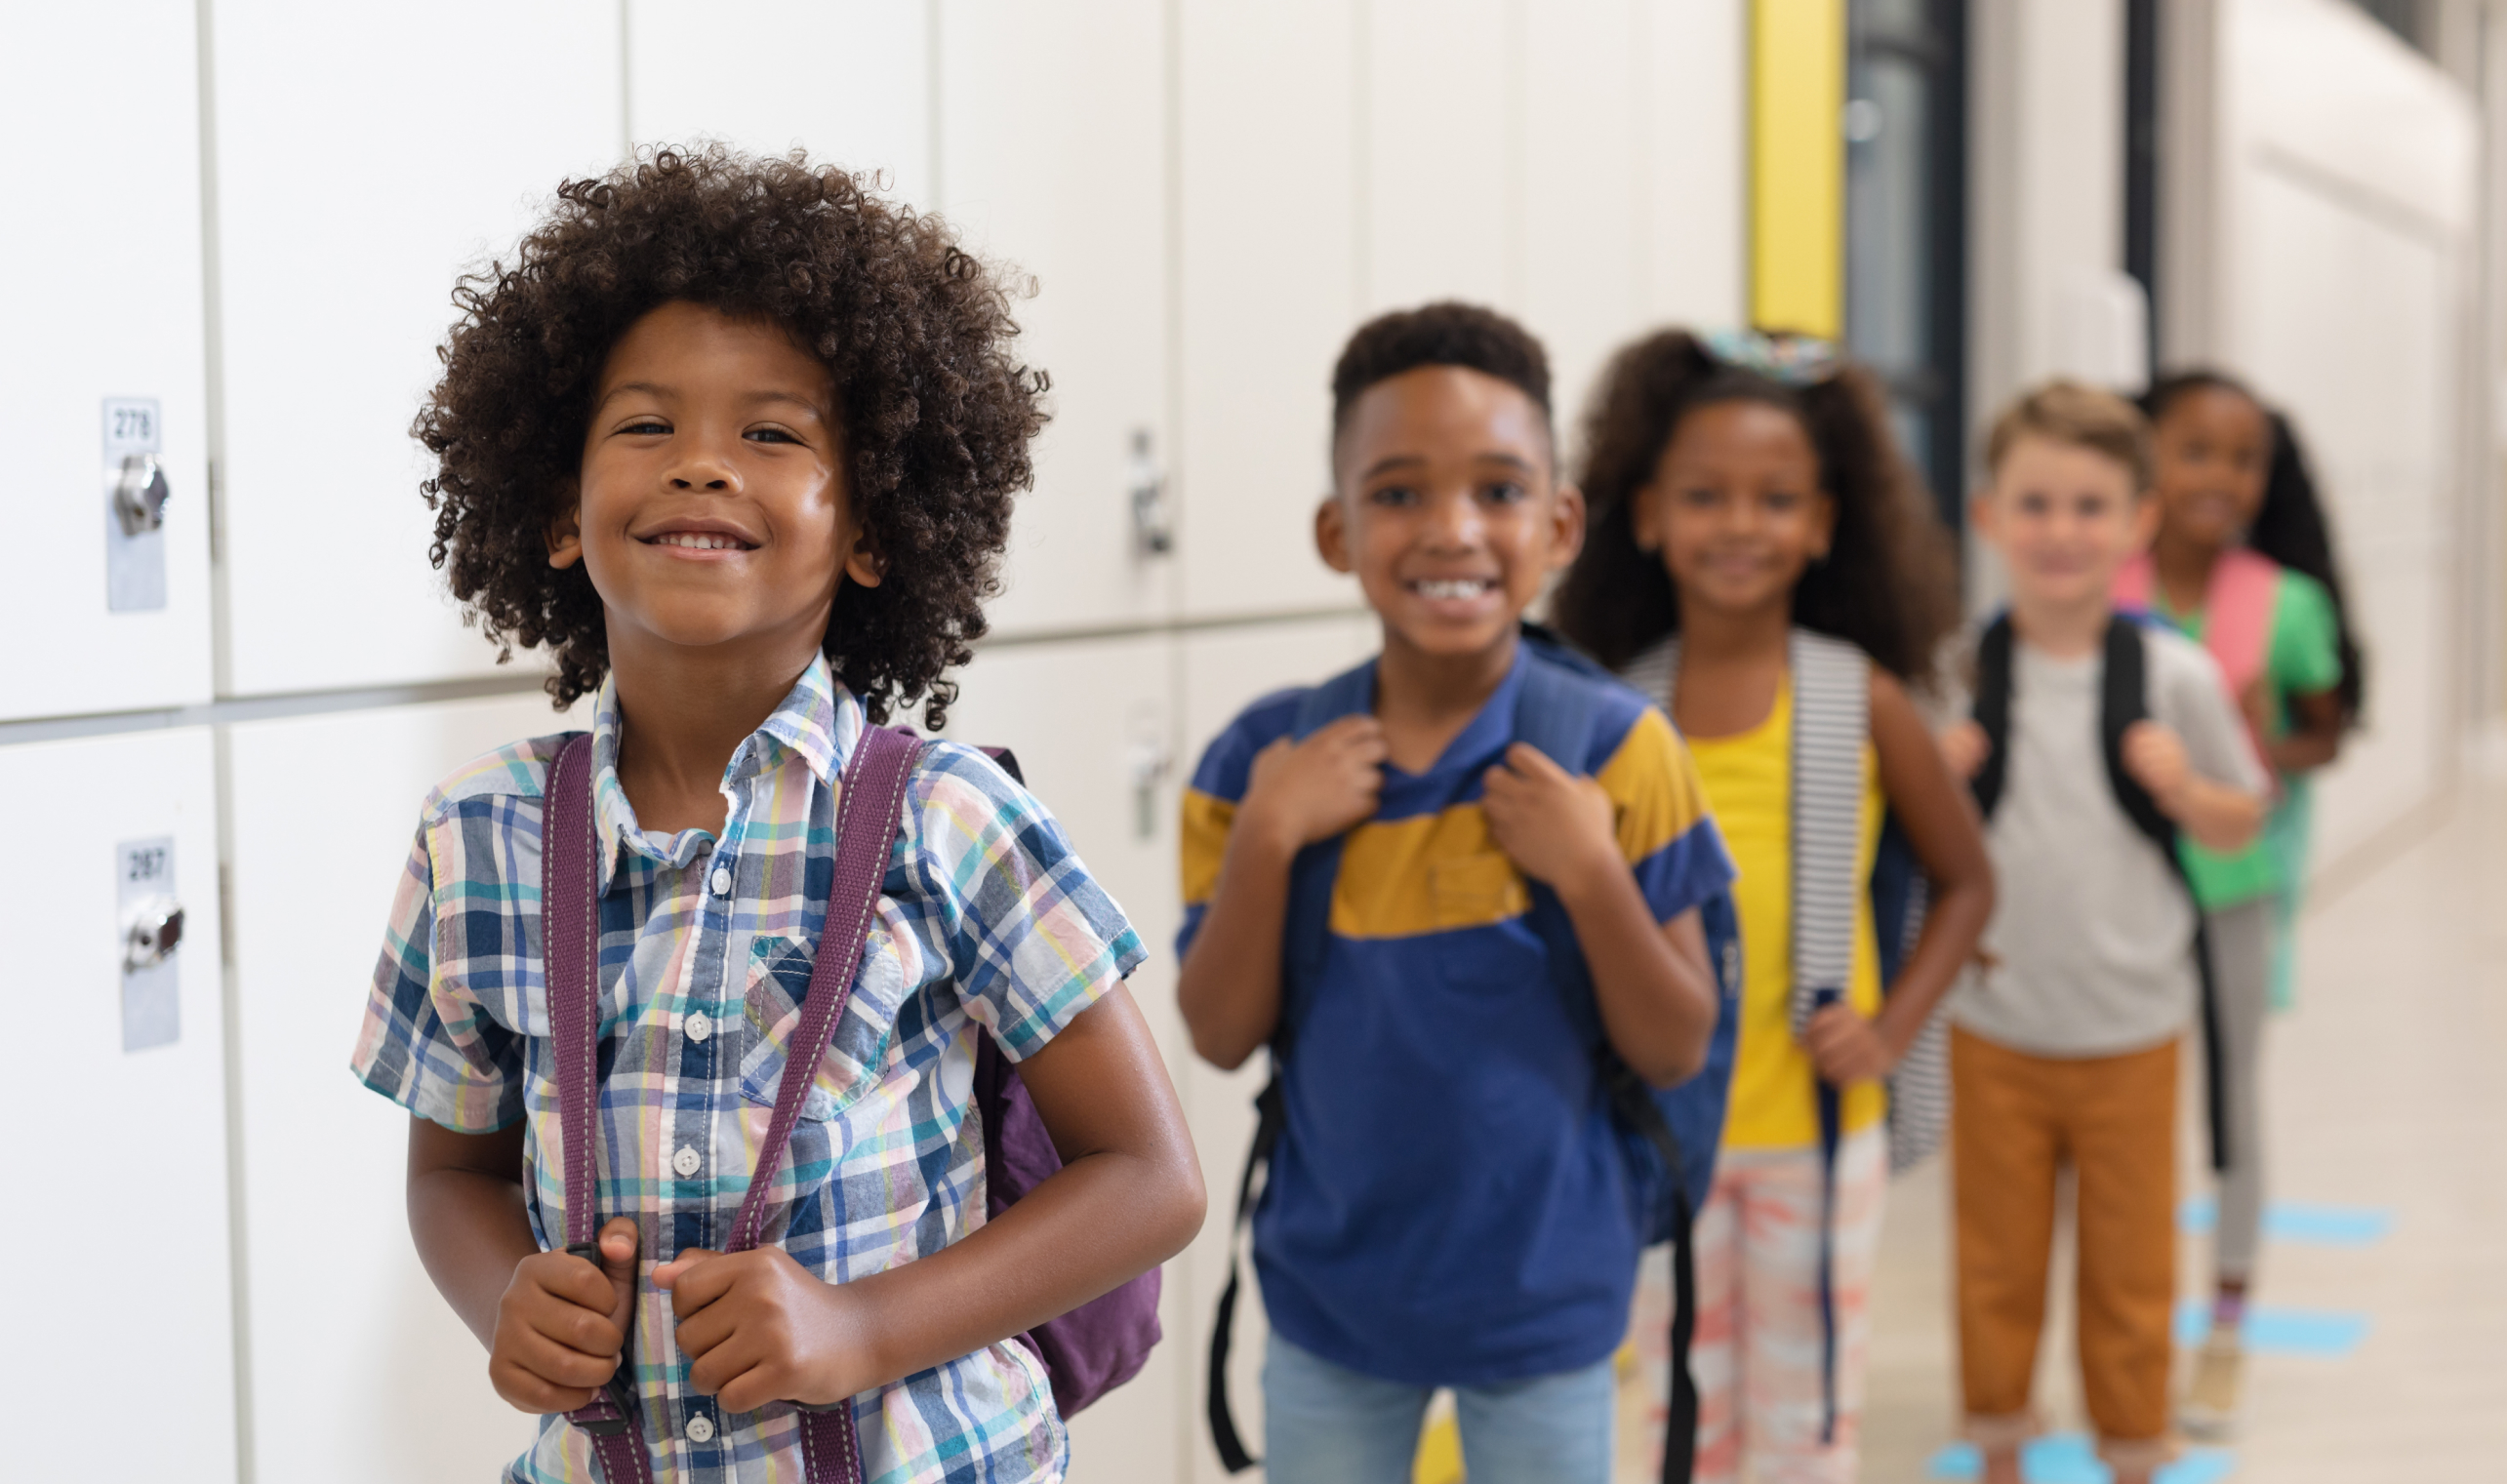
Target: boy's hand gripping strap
869,808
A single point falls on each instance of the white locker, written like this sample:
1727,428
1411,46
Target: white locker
1052,160
1093,725
2344,227
1583,193
1224,671
848,80
1268,255
1441,174
365,156
120,1241
104,329
355,1354
1693,101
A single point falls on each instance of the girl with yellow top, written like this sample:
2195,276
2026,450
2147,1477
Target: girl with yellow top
1749,510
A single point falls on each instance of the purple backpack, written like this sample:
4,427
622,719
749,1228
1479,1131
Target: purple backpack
1086,1352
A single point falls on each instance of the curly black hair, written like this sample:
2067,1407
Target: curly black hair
1448,332
2290,527
936,416
1889,583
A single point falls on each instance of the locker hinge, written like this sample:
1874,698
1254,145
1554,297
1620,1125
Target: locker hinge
217,514
225,914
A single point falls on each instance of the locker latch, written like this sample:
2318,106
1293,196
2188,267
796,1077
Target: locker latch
1153,523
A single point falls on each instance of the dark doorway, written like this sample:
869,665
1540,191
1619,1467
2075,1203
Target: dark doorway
1906,224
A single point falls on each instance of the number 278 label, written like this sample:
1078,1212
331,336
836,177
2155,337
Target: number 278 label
131,426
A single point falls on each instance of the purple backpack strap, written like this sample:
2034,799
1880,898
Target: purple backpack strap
869,810
570,949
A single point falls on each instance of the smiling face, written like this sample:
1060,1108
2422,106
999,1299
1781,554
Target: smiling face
712,508
2064,519
1447,509
2213,453
1736,507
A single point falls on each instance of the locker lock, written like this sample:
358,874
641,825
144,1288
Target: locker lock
152,933
140,495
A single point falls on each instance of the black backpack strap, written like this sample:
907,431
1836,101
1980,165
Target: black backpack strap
1305,936
1991,707
2123,699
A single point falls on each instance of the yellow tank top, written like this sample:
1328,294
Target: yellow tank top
1749,785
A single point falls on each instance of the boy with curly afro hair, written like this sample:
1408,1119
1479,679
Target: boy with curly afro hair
736,441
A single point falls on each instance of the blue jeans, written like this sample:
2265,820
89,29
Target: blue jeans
1325,1424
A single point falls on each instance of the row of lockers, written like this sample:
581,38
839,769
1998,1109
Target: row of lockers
225,1198
249,240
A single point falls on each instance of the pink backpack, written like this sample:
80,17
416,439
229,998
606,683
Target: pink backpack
2237,613
1086,1352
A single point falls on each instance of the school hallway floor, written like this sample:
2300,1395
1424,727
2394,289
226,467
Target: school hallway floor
2378,1344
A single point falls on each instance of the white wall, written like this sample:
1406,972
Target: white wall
2341,214
1204,197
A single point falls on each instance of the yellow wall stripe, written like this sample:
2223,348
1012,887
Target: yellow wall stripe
1797,165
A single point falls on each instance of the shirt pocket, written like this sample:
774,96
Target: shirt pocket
779,982
1483,944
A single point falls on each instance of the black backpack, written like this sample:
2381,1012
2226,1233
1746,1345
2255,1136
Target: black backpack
2123,697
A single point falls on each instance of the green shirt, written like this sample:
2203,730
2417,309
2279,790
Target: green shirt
2302,656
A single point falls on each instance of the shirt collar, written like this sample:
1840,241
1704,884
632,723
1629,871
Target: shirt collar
819,722
1489,730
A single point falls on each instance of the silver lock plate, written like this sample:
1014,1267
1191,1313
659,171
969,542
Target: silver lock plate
134,500
152,936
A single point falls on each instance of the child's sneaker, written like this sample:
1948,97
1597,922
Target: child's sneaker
2209,1409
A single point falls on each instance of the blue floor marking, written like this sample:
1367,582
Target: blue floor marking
2066,1458
2298,1222
2279,1331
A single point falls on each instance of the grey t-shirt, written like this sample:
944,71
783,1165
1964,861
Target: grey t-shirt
2092,943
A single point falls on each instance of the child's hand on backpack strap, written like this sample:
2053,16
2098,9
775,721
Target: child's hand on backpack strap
1964,748
1305,792
2155,758
561,1326
1555,827
1846,1048
758,1327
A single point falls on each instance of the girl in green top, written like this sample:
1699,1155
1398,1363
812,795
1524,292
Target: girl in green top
2242,562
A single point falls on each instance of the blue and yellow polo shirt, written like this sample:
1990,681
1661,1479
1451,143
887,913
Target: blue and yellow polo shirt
1450,1202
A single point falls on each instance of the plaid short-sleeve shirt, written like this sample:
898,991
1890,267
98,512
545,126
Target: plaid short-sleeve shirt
986,917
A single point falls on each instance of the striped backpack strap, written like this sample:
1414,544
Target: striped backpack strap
1831,724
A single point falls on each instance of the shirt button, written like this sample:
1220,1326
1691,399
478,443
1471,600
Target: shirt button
686,1162
698,1026
722,881
700,1429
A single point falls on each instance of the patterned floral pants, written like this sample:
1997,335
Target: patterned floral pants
1758,1354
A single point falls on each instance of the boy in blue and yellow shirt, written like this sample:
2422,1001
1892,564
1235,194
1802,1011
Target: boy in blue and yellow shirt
1448,1203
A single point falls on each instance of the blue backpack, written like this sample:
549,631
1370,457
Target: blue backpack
1670,1136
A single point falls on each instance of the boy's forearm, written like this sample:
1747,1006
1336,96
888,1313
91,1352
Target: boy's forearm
467,1222
1227,988
2216,816
1657,1010
471,1232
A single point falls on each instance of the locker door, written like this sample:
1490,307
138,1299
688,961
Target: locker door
117,1098
1224,671
1092,724
1691,104
1442,181
365,156
1266,108
850,81
104,330
1052,159
1581,190
354,1355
